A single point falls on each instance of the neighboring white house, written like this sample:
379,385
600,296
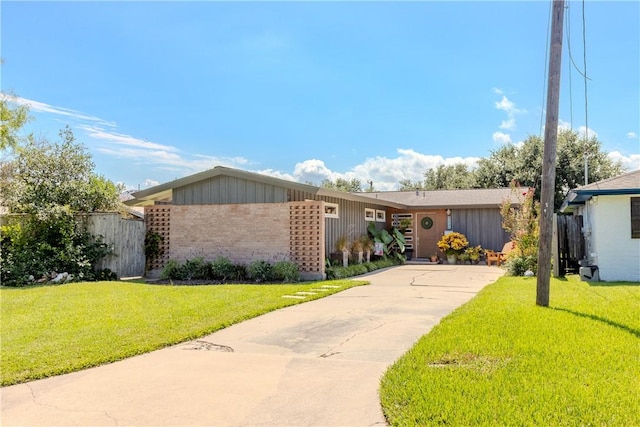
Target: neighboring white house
611,216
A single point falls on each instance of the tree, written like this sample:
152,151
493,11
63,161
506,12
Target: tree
350,186
51,183
449,177
12,119
43,175
408,185
523,165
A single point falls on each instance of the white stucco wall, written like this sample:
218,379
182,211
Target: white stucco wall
611,248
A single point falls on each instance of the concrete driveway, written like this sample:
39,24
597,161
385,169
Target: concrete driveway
317,363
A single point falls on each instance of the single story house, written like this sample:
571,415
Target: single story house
610,211
247,216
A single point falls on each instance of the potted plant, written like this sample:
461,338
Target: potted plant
474,253
453,244
367,246
342,245
434,258
356,248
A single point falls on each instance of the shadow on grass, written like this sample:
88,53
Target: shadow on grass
625,328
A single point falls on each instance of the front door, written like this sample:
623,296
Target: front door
427,234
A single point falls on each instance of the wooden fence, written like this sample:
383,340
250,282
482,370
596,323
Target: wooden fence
126,239
569,246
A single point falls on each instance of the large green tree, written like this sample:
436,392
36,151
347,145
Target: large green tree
51,182
449,177
43,174
522,164
351,186
12,118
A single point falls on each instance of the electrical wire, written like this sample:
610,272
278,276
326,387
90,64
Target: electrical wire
568,33
586,99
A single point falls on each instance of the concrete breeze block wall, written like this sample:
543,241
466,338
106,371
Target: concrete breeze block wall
240,232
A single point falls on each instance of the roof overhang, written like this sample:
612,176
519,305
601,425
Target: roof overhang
580,197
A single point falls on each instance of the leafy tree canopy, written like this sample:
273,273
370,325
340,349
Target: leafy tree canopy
43,175
522,164
351,186
12,119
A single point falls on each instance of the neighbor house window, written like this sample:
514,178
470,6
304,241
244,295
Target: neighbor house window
635,217
331,210
369,214
381,216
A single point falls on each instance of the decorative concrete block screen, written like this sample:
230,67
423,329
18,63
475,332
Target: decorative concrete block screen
306,238
158,219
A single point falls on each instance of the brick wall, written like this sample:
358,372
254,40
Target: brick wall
240,232
243,233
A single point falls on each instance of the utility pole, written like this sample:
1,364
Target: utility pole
549,156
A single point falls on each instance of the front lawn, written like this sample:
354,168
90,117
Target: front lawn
51,330
501,360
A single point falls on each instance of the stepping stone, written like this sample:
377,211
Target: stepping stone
331,286
294,296
305,293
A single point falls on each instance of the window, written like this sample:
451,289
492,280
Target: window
330,210
635,217
381,216
369,214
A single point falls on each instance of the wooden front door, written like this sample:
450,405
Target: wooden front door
428,231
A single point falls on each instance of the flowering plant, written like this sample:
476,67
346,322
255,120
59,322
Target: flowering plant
453,243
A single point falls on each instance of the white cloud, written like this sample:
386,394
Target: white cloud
501,138
509,124
150,183
632,135
509,107
386,173
630,162
591,133
118,138
41,107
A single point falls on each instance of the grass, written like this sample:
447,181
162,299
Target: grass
51,330
502,360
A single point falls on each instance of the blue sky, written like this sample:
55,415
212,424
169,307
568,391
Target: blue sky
377,91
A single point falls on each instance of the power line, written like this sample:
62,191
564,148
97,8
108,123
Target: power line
586,102
568,31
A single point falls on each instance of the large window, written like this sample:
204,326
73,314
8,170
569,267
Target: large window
635,217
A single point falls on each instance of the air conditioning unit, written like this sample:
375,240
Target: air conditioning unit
589,273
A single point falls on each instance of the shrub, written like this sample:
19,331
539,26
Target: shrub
222,269
286,271
239,273
517,265
51,242
196,269
171,270
259,271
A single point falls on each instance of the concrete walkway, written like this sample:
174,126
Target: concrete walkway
317,363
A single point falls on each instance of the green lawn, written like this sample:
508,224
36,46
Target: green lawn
501,360
51,330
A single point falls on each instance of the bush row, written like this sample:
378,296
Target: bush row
337,272
223,270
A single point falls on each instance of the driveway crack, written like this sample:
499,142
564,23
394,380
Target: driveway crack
333,351
36,402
